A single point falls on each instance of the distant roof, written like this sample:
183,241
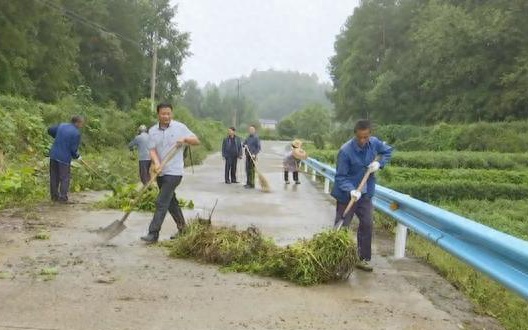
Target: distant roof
267,121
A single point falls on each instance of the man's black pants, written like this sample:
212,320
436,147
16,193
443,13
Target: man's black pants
230,169
167,201
144,168
59,180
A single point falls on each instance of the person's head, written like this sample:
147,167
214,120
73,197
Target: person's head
142,129
164,111
362,130
231,131
78,121
252,129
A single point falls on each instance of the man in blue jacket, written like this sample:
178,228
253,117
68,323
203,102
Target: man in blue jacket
65,148
231,151
353,160
252,143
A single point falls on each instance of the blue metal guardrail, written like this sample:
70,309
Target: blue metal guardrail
502,257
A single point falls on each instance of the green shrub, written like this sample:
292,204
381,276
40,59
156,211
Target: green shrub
394,174
318,141
453,159
459,189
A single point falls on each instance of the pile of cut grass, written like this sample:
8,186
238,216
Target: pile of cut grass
328,256
124,195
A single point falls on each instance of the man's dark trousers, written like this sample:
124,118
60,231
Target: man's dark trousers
230,169
250,171
167,201
144,174
59,180
363,209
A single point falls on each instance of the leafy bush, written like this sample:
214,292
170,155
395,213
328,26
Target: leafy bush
467,159
318,141
459,190
398,174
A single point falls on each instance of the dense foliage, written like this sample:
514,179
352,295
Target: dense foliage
24,144
428,61
50,47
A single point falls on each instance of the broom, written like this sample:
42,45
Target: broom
264,184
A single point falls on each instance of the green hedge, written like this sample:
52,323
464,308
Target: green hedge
394,174
510,137
459,190
453,159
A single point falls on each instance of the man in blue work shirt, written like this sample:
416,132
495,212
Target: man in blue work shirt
231,151
354,159
65,148
162,138
252,143
141,141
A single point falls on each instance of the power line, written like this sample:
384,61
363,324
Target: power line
87,22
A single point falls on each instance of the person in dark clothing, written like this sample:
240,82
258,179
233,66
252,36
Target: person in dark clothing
65,148
141,141
231,151
252,143
353,160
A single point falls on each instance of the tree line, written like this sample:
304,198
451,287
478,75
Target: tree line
51,48
421,62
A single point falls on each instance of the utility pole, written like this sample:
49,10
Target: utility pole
153,74
235,112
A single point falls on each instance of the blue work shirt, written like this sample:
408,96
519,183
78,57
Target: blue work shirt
142,143
352,163
163,139
253,144
67,140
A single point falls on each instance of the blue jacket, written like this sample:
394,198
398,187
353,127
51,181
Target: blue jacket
67,140
231,147
352,163
253,143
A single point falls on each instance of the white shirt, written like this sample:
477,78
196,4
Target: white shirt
163,139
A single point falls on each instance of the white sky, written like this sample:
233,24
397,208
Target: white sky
230,38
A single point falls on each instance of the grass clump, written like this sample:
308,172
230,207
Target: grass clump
43,235
328,256
124,195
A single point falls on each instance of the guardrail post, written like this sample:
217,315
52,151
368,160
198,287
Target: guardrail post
305,168
400,241
314,178
326,186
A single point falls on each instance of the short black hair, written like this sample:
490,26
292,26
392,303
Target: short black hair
163,105
362,124
232,128
77,119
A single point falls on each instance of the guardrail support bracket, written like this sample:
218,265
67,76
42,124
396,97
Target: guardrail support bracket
400,241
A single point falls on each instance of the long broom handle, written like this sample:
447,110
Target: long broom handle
251,156
97,173
136,200
353,200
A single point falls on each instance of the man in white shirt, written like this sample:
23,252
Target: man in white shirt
162,138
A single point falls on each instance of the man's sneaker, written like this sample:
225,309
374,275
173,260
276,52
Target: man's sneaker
364,265
150,238
297,182
249,186
287,182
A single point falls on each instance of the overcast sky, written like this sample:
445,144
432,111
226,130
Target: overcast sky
230,38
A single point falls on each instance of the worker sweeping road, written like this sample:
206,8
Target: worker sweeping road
162,138
292,161
356,158
252,148
141,142
65,148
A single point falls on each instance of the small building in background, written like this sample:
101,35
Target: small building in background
268,124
